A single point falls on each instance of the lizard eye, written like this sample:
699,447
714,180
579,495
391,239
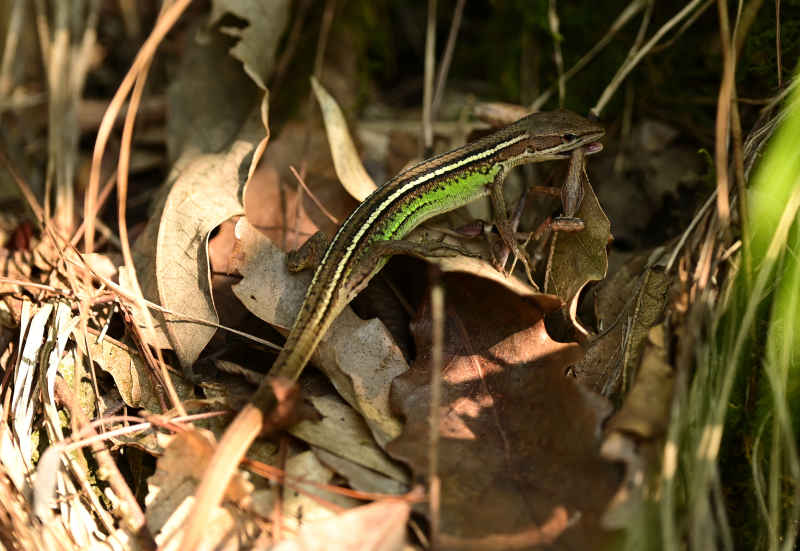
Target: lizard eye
569,137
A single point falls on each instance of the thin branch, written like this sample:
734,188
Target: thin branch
434,415
427,92
313,197
558,58
447,58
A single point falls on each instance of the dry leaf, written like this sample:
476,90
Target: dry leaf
202,117
482,268
645,412
576,258
312,504
341,430
307,150
275,211
635,433
633,302
203,194
172,487
519,451
258,41
132,376
202,190
358,477
379,526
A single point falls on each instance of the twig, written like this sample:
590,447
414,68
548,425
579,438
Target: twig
427,90
743,22
23,283
686,24
129,298
447,58
317,202
558,58
26,192
62,132
122,192
319,59
277,510
642,32
434,416
105,193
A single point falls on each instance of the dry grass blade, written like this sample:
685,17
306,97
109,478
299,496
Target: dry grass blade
165,22
15,22
346,160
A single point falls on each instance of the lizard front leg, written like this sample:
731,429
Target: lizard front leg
504,225
572,193
309,254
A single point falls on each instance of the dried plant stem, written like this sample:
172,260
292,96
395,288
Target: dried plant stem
558,58
778,42
129,9
301,181
434,416
105,193
723,116
427,91
26,191
15,23
122,196
685,25
447,58
62,129
43,31
164,23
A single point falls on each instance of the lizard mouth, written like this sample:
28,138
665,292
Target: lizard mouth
590,148
593,147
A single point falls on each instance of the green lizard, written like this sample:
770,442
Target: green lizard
375,231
